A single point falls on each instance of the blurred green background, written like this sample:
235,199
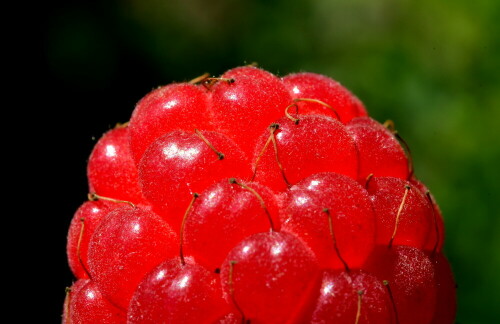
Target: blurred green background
431,66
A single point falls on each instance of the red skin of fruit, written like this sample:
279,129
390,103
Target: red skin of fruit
316,144
379,151
275,277
351,212
175,106
242,267
128,244
222,216
229,318
177,293
339,298
416,219
320,87
411,276
92,212
87,305
244,108
446,301
70,292
437,235
111,171
180,164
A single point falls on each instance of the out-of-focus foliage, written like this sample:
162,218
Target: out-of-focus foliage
431,66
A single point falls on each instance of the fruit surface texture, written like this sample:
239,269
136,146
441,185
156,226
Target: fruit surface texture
256,198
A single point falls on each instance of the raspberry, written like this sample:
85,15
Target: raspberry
250,198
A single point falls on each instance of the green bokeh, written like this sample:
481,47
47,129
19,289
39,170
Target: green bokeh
431,66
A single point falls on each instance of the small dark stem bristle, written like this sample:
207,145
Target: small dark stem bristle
122,125
273,129
67,318
200,78
231,290
358,312
93,197
183,224
319,102
220,155
400,210
334,239
389,124
367,181
287,114
408,154
259,157
78,247
259,198
391,297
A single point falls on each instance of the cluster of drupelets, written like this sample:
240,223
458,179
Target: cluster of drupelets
250,198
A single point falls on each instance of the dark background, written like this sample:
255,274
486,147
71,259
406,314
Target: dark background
431,66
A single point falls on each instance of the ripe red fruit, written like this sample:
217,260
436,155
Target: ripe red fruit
86,219
177,293
111,170
340,234
410,277
223,215
252,198
87,305
446,300
177,106
352,297
437,237
245,106
70,292
379,152
229,318
404,215
270,277
314,144
342,102
128,243
181,163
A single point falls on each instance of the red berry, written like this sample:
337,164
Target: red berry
251,198
340,234
446,300
410,278
181,163
352,297
244,107
86,219
314,144
229,318
270,277
87,305
177,106
177,293
127,245
437,236
223,215
309,85
404,215
380,153
70,293
111,170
